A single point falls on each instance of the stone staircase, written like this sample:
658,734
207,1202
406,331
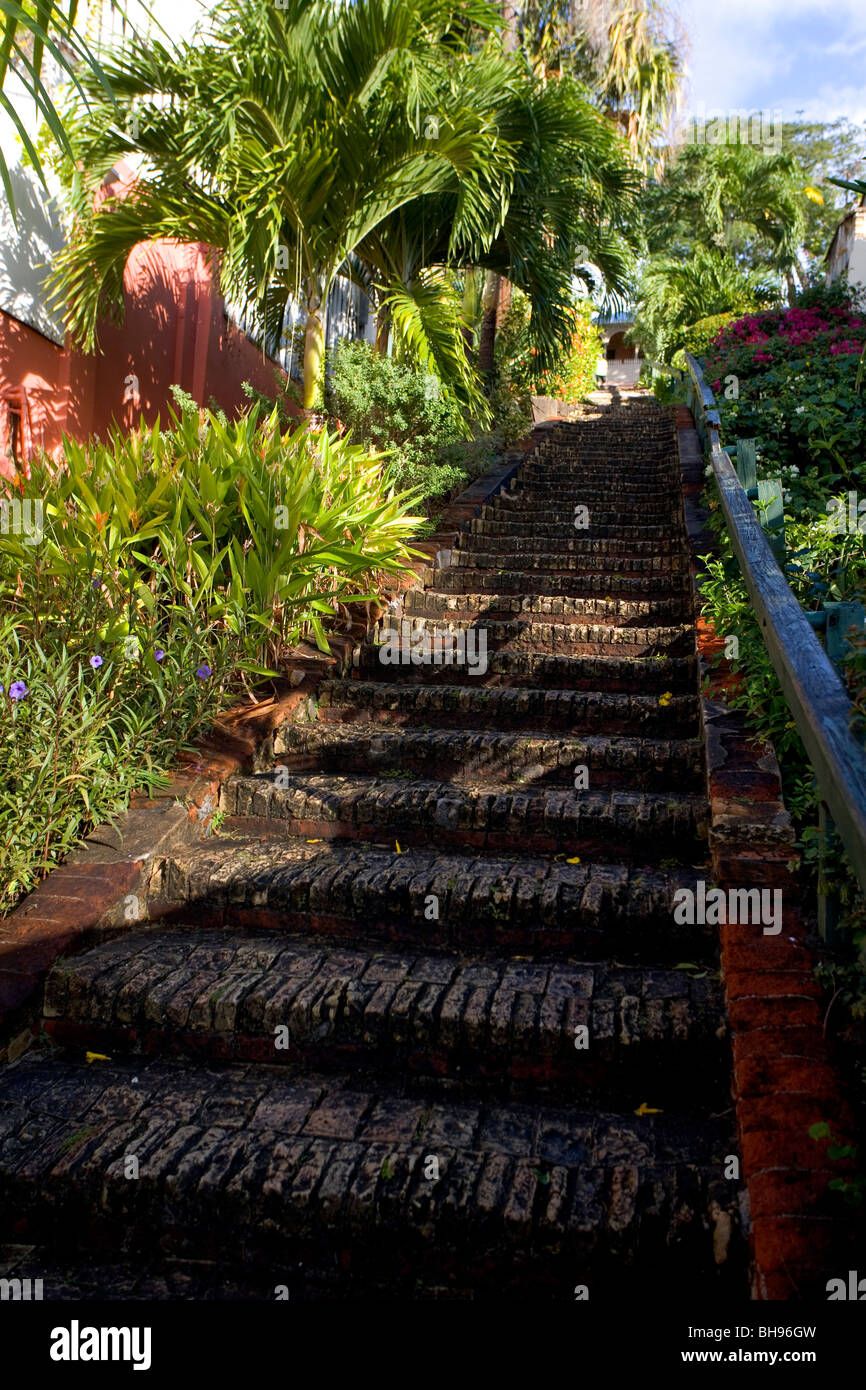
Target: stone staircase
415,1023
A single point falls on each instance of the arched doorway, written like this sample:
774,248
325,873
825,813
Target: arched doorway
623,362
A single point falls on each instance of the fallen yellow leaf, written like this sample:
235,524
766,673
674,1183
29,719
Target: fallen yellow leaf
573,861
314,842
397,846
644,1109
96,1057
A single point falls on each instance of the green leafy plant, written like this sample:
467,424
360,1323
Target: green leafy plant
572,374
853,1187
170,566
388,404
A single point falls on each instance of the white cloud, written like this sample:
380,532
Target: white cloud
772,54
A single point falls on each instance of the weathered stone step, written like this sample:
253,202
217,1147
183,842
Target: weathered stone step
226,996
506,707
74,1276
584,563
562,497
424,640
559,498
435,900
594,671
622,824
563,470
621,612
463,579
456,754
492,524
325,1172
582,543
604,511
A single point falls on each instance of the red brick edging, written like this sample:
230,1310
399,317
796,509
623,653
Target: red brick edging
783,1079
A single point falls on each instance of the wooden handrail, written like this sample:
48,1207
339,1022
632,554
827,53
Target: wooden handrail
815,695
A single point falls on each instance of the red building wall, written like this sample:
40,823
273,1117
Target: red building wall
174,330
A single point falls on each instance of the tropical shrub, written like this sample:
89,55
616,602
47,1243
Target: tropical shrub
697,338
677,292
144,582
572,375
388,404
85,722
272,531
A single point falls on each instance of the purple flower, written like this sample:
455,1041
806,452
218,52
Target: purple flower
97,581
96,662
17,690
158,654
203,671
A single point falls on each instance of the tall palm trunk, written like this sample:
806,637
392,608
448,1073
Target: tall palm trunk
487,337
383,332
314,343
497,291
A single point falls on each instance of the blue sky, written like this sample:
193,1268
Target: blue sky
790,55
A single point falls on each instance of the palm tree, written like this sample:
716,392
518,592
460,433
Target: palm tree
572,186
619,50
370,139
745,203
283,142
631,53
641,78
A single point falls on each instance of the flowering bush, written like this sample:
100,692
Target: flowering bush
795,392
573,377
702,333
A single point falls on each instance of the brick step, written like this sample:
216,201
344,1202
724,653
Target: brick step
597,437
593,488
606,511
594,671
223,996
621,824
600,434
595,443
561,497
563,470
73,1276
640,448
324,1172
583,543
431,640
506,707
620,612
652,447
460,579
656,466
564,562
495,902
641,456
456,754
493,525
